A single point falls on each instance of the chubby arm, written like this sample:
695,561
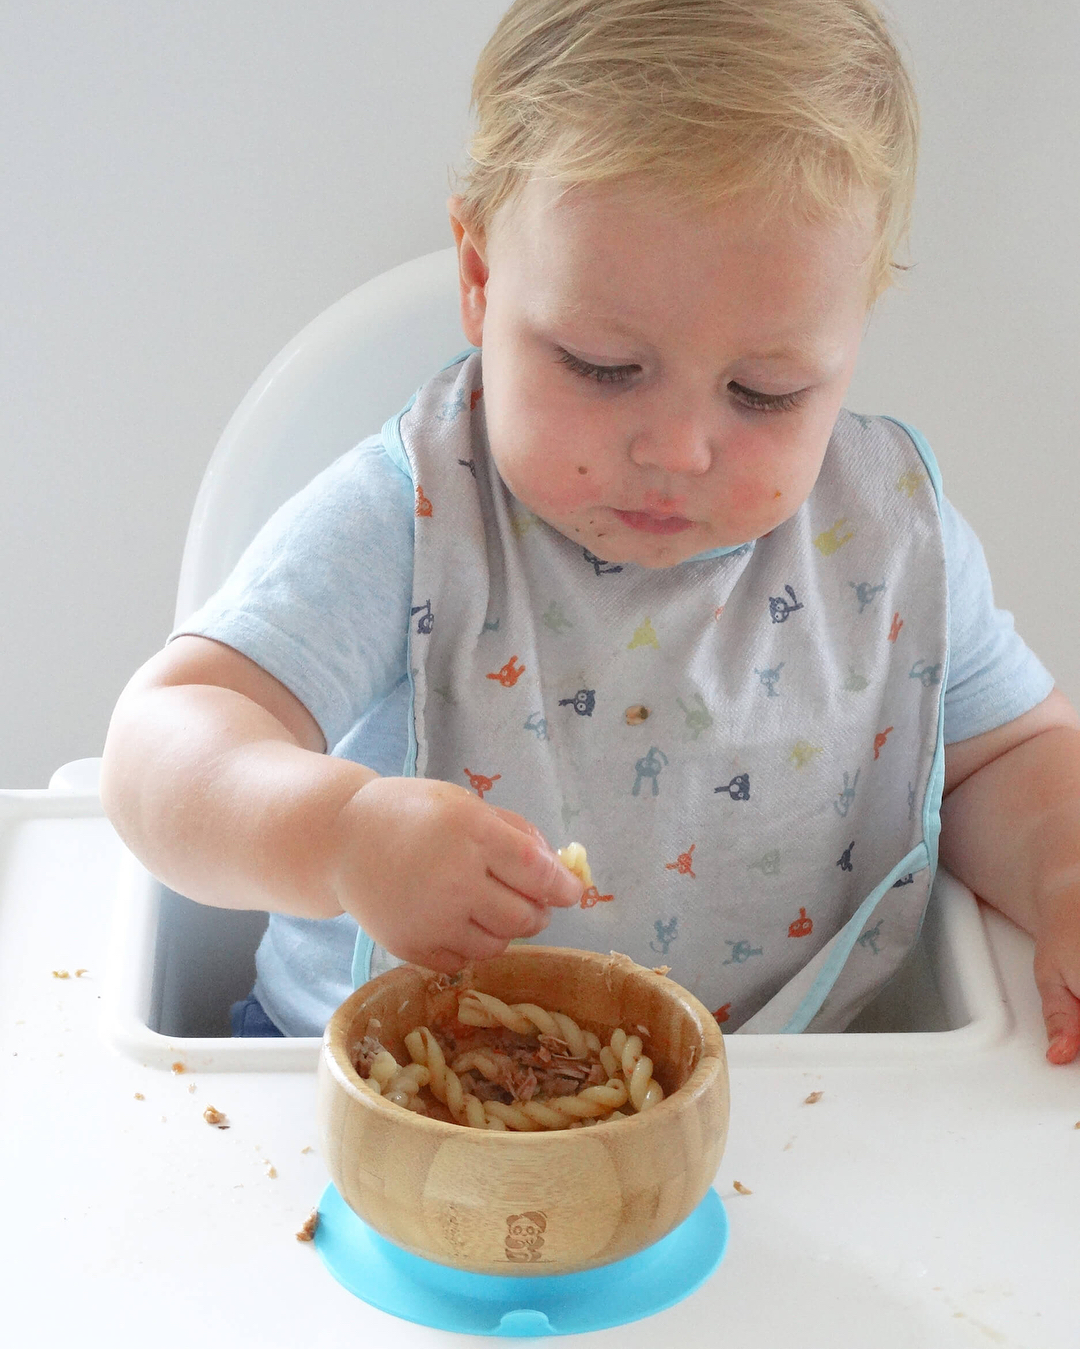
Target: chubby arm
1010,829
216,777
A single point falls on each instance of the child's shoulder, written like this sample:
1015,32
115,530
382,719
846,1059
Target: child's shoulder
369,474
360,501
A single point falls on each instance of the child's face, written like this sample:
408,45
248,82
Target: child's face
696,316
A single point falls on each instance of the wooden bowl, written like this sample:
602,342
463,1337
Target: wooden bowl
528,1203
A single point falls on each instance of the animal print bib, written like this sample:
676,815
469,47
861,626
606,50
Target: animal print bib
748,744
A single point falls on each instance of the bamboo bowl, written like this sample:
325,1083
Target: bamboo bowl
577,1198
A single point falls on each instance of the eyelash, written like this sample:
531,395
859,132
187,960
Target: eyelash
618,374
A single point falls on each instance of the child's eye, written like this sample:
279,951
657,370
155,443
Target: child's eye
617,374
602,374
767,402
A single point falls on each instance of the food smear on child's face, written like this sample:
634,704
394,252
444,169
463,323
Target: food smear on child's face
657,381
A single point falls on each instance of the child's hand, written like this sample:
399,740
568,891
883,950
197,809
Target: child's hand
1057,973
1010,829
438,877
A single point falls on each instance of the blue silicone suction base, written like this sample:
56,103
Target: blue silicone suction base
489,1304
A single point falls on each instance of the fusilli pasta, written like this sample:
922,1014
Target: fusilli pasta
574,858
580,1081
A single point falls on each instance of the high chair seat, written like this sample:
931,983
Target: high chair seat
335,383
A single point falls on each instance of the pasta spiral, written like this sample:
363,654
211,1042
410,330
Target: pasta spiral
482,1009
630,1082
625,1051
562,1111
525,1115
388,1079
444,1082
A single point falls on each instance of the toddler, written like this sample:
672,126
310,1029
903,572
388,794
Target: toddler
626,571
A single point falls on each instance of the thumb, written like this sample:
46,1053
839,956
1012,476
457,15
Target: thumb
565,887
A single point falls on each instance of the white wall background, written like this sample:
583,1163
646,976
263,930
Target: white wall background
186,185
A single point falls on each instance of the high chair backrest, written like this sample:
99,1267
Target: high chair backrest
335,383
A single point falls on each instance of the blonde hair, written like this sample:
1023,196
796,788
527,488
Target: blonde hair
804,103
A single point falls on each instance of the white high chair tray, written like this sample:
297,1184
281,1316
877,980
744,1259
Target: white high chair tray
927,1200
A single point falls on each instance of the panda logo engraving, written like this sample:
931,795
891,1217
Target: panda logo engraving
523,1236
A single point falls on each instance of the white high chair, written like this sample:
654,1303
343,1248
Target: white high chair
335,383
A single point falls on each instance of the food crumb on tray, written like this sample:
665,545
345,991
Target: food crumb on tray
813,1098
60,974
271,1171
740,1188
217,1118
307,1232
139,1096
178,1067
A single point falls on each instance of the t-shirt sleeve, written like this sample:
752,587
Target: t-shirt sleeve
994,676
320,598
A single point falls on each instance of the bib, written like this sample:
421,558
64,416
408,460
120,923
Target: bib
748,744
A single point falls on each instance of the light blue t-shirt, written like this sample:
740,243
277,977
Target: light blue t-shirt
321,600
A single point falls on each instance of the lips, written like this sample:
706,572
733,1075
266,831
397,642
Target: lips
654,522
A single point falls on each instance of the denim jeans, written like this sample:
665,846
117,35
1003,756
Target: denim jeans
249,1020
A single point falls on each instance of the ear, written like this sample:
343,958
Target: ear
472,272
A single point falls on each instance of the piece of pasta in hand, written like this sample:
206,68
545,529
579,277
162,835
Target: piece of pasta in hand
573,857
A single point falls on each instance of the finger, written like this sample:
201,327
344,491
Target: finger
527,864
482,944
505,913
444,961
1061,1013
1063,1049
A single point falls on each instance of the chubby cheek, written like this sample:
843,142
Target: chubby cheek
751,496
763,490
559,488
544,462
547,483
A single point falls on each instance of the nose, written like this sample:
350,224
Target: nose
681,441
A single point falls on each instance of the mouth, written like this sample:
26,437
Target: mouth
654,522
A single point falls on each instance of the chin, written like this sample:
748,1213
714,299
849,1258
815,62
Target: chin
672,559
654,555
622,546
